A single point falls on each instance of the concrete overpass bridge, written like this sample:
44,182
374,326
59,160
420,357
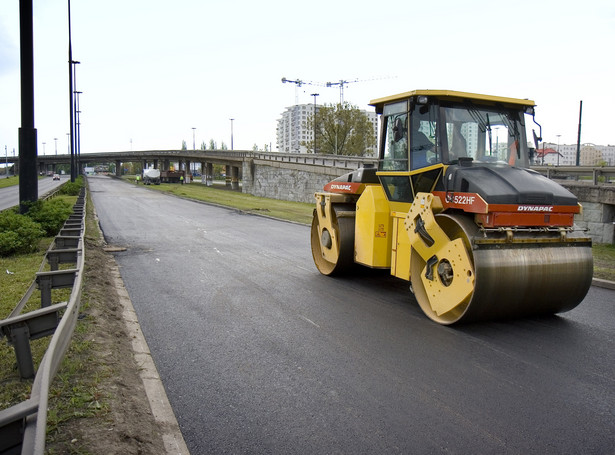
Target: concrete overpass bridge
240,164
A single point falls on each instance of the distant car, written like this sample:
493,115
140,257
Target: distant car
56,176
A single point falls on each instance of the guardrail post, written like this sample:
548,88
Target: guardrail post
53,280
54,261
44,284
20,338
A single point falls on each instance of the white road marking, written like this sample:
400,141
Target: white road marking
310,321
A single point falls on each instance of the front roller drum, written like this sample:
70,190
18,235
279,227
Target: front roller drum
332,240
508,280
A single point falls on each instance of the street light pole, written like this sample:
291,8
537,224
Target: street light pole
558,136
314,125
78,130
193,138
28,181
232,132
71,99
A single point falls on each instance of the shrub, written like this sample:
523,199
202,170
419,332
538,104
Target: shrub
50,214
19,234
72,188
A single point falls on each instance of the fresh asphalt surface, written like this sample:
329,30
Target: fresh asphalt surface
259,353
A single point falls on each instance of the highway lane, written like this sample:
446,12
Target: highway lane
9,196
261,354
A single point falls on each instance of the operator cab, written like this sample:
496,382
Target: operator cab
427,130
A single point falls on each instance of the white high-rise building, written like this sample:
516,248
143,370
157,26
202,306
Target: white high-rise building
295,130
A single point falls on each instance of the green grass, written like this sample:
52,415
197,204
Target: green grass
4,182
17,275
604,261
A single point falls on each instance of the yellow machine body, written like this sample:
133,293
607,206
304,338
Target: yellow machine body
373,229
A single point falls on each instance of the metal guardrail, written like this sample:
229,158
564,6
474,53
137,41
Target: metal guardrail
23,426
604,173
345,162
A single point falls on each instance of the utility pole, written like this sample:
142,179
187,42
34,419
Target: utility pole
28,181
70,99
314,123
579,134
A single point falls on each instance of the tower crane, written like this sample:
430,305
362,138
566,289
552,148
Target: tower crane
299,83
341,83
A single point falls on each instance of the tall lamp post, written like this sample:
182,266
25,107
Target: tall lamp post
314,123
193,138
232,132
28,181
78,130
558,136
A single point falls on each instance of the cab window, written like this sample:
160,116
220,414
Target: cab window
395,150
485,135
424,149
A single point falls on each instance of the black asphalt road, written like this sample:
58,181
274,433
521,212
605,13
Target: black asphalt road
9,196
259,353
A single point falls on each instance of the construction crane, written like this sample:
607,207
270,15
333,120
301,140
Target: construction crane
341,83
298,83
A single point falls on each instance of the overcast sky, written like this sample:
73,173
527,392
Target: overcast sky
152,70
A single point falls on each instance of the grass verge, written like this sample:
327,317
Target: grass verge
604,261
10,181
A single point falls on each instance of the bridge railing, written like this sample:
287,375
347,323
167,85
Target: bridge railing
595,175
23,426
346,162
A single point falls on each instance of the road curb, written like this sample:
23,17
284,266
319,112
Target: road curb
603,283
159,403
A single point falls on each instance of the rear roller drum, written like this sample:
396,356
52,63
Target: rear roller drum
333,242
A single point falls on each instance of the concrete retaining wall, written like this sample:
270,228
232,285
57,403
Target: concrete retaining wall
298,182
598,215
287,181
599,219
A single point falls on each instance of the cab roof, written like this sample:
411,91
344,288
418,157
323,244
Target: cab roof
450,95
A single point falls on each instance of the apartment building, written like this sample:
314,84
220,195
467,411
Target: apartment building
591,154
294,129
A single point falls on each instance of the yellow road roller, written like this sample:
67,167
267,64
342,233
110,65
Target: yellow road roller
454,207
